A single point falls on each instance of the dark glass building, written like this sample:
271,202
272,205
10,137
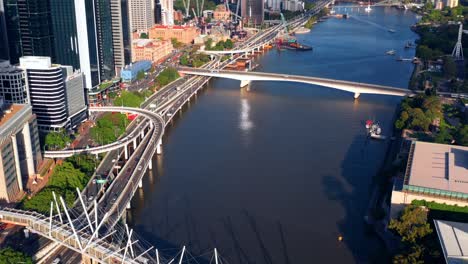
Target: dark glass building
65,32
35,28
12,21
104,39
4,54
157,12
126,32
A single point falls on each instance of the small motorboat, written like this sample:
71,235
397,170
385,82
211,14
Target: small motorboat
391,30
391,52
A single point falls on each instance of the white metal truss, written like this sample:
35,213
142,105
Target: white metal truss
457,52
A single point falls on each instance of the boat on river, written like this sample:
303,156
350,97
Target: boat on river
390,52
391,30
374,130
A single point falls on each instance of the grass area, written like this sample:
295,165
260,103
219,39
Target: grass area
108,128
444,211
105,85
131,99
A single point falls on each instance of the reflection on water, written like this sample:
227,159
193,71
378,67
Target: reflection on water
245,123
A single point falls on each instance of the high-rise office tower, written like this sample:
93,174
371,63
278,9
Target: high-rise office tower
85,39
4,53
167,12
13,88
141,15
35,27
126,32
117,34
252,11
104,39
13,30
65,32
20,153
55,92
157,12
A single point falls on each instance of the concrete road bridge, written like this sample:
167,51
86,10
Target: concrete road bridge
353,87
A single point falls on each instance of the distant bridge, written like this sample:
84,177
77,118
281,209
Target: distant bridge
348,86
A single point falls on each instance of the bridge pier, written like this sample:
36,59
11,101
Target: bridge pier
356,95
140,183
142,134
159,147
129,206
134,143
244,83
150,164
125,152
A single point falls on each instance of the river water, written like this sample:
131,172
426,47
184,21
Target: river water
277,173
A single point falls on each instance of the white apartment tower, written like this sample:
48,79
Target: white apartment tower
140,15
167,12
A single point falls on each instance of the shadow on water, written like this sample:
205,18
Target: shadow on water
352,189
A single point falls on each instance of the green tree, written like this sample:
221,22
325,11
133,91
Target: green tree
228,44
57,140
41,201
166,76
412,225
184,60
175,43
208,44
424,52
140,75
309,5
143,35
450,68
10,256
67,177
84,162
108,128
413,255
443,136
462,136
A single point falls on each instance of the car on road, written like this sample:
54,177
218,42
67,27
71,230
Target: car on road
139,167
90,198
94,181
56,260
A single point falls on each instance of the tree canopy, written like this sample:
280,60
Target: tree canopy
412,225
57,140
108,128
10,256
419,112
166,76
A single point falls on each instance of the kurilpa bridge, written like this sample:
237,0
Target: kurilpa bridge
356,88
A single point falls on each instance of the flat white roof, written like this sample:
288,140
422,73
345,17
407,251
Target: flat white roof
439,166
453,237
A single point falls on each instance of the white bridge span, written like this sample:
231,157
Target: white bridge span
353,87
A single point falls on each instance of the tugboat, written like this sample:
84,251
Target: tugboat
374,130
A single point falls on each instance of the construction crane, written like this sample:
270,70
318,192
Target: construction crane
195,14
187,7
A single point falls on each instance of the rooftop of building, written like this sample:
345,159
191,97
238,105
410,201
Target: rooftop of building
173,27
453,237
6,67
438,166
11,116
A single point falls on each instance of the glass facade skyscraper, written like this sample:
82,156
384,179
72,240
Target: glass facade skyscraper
65,32
13,30
4,54
104,39
35,28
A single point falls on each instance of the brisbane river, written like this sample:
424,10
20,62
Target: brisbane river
277,173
